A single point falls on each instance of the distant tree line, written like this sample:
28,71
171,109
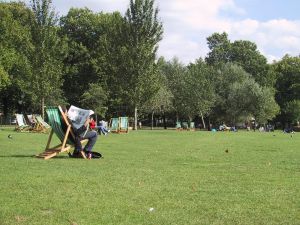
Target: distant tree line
108,62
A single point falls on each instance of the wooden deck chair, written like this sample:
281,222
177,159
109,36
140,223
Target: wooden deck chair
30,120
114,125
123,124
21,124
185,125
192,126
178,126
41,125
62,128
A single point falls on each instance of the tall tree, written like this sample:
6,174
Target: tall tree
161,101
15,52
287,86
248,99
85,59
46,78
240,96
95,98
175,71
143,31
243,53
219,46
200,90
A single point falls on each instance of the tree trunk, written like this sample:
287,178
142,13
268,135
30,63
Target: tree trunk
5,110
152,116
135,118
203,122
209,127
43,106
164,120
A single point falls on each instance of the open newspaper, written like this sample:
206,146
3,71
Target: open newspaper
78,116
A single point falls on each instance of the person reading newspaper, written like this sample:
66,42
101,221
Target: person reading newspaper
80,119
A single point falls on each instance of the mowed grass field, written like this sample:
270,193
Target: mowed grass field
185,177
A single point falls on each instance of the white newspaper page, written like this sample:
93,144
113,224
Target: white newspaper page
78,116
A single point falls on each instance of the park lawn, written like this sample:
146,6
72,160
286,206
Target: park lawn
186,177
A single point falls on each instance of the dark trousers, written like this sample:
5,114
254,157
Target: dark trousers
91,136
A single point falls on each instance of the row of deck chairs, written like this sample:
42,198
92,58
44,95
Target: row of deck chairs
185,126
119,125
31,123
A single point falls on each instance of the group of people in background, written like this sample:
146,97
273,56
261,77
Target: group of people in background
101,128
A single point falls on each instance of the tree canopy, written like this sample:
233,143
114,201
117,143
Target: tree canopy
109,62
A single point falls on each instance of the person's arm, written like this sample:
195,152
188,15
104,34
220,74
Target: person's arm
86,123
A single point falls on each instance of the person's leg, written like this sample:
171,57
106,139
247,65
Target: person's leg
78,148
92,136
103,130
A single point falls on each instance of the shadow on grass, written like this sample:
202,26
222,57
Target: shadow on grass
32,156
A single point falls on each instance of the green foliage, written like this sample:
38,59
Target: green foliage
292,110
248,99
174,72
219,46
199,89
142,32
46,78
240,96
15,52
94,52
4,78
287,85
95,98
240,52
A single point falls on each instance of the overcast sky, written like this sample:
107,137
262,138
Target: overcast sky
274,25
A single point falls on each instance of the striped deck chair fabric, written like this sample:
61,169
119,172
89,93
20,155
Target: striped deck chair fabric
178,125
41,125
114,125
192,126
123,124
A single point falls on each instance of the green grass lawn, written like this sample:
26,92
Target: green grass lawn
187,177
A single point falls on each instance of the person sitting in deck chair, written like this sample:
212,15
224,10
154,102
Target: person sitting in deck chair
84,133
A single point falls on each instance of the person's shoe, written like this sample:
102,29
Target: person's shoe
89,155
83,154
105,133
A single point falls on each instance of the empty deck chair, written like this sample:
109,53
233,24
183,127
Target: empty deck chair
114,125
192,126
123,124
62,128
185,125
41,125
178,126
21,124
